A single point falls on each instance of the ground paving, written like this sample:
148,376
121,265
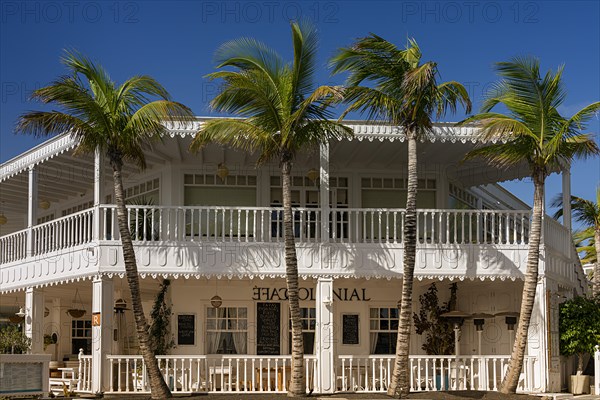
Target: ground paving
455,395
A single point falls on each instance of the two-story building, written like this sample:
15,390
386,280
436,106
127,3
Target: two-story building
211,223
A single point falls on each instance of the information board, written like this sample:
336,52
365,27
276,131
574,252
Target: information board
268,328
186,329
350,329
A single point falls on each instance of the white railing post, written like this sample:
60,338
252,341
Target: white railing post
80,372
98,185
32,204
597,371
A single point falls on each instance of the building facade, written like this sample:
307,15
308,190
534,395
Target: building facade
211,223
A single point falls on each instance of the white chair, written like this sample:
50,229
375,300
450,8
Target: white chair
422,381
381,380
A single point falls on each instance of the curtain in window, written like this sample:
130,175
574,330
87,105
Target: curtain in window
373,342
213,339
240,342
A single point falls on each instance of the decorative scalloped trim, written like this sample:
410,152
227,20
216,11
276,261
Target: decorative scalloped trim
444,132
261,276
53,283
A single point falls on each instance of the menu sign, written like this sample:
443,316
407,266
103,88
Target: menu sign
186,329
350,329
268,328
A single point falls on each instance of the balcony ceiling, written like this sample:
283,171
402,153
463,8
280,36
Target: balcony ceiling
65,176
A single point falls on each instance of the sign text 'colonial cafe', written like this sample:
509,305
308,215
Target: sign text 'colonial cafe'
341,294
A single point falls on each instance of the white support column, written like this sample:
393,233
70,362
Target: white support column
566,193
34,319
32,204
324,190
325,339
102,331
98,193
537,342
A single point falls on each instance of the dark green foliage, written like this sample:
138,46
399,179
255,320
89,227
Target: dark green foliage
13,341
579,326
143,220
440,331
161,339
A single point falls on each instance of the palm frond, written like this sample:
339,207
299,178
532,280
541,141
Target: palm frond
304,39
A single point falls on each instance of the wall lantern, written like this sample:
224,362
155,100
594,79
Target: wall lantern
44,204
216,301
312,174
3,219
222,171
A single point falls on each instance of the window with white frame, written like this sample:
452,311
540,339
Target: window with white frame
227,330
308,316
380,192
383,330
145,193
81,336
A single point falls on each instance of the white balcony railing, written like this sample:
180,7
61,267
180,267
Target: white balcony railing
156,224
431,373
84,373
69,231
350,225
194,373
13,247
253,373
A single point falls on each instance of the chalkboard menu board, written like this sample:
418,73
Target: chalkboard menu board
268,328
186,329
350,329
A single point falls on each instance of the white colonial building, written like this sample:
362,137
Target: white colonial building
211,223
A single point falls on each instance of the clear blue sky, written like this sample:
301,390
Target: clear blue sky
174,41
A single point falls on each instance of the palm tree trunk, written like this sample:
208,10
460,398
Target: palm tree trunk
515,365
400,382
158,387
297,386
596,281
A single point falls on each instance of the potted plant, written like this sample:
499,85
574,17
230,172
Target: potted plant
439,331
579,326
13,341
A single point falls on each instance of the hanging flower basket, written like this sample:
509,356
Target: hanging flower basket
76,313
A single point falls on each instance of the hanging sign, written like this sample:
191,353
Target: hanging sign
96,319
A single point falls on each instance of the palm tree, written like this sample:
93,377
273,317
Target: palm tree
588,239
116,120
585,243
538,136
283,115
404,92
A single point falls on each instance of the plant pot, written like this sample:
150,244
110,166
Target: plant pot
579,384
438,382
